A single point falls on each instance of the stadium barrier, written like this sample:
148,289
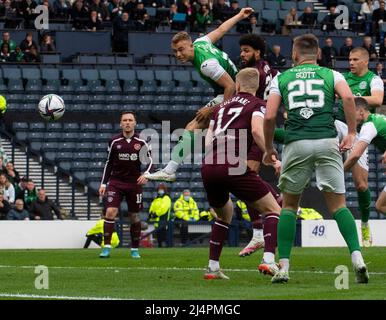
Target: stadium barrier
325,233
72,234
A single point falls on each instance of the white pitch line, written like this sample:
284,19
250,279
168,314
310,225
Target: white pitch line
38,296
168,269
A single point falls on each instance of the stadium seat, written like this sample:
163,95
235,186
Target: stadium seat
88,126
37,126
16,126
105,60
271,5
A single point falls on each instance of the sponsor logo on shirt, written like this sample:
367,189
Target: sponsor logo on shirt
363,85
128,156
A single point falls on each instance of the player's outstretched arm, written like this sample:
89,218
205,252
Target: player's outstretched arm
217,34
355,154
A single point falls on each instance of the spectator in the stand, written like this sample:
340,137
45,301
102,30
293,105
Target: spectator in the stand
10,15
4,207
5,55
62,8
21,187
115,9
50,8
291,20
219,10
18,213
346,48
138,12
367,9
382,49
47,44
203,18
129,6
8,189
17,55
378,18
120,27
79,15
100,8
95,22
328,23
251,27
29,194
380,72
143,24
28,10
6,38
185,209
275,58
43,208
308,18
329,53
32,55
2,166
367,44
189,10
28,42
12,173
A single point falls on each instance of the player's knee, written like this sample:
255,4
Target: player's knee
380,207
361,186
111,213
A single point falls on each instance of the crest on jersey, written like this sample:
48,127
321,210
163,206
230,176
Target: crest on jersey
363,85
110,199
306,113
137,146
133,157
119,146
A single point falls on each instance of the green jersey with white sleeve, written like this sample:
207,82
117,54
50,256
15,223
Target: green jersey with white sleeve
374,131
211,63
360,87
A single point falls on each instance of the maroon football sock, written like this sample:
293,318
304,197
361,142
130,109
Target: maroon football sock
108,229
135,232
219,234
257,221
270,232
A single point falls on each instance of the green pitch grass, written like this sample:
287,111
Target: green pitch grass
178,274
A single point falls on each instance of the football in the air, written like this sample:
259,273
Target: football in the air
51,107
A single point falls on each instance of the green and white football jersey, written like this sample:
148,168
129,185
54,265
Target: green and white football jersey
374,131
360,87
211,63
308,94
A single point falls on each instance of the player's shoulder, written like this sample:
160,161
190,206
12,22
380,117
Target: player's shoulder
116,137
137,138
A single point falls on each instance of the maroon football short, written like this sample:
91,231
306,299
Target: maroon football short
255,153
218,184
116,191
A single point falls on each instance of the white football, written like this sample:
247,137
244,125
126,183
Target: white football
51,107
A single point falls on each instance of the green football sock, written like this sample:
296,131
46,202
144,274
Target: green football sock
286,230
364,201
279,135
183,147
347,228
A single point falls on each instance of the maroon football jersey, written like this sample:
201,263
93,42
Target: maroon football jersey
265,78
124,161
232,131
